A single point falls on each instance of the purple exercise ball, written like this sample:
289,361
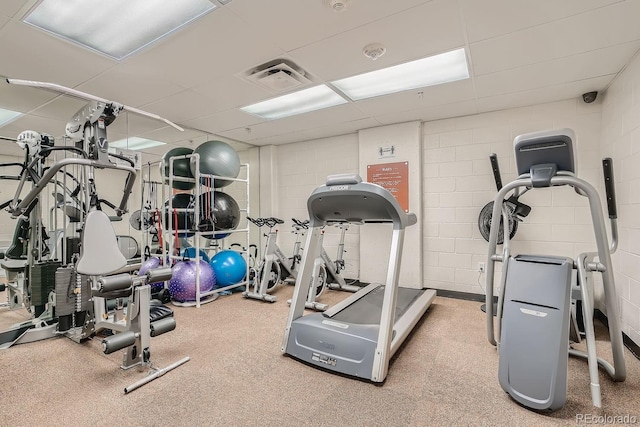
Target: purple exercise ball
182,285
150,264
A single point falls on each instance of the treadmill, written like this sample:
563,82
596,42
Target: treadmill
358,336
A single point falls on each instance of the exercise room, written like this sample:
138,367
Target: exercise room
319,213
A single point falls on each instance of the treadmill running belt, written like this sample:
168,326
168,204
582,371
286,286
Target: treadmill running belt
367,310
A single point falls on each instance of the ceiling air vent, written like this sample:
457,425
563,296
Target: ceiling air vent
278,76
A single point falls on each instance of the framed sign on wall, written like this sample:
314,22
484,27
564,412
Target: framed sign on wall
394,177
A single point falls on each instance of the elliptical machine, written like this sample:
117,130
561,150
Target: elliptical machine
533,311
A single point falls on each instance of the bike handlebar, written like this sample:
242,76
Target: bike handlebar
301,224
269,222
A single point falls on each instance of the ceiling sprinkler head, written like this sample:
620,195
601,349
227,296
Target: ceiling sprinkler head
338,5
374,51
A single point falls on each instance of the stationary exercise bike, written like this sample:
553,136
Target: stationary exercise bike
326,272
275,267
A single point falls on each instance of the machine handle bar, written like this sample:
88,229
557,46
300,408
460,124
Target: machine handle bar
609,186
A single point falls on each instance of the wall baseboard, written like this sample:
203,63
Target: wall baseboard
628,342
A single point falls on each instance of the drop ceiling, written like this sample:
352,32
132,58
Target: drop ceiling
520,52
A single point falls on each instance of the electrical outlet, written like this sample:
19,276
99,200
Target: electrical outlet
481,267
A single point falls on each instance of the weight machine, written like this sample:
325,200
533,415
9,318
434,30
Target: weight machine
84,293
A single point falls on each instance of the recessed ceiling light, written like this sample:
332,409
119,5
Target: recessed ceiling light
135,143
7,116
303,101
433,70
116,28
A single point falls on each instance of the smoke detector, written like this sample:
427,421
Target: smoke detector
374,51
338,5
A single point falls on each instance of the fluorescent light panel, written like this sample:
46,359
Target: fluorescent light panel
304,101
7,116
135,143
116,27
433,70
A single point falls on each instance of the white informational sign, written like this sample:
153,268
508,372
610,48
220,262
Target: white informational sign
134,156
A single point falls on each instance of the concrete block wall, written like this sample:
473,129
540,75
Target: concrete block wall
300,168
621,141
458,182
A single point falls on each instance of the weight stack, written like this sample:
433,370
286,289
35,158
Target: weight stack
43,281
65,297
85,292
71,307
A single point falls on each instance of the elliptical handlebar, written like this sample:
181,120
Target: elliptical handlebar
609,186
610,190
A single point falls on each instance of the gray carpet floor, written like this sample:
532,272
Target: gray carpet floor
445,374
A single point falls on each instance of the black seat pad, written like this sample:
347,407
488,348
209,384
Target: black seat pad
159,311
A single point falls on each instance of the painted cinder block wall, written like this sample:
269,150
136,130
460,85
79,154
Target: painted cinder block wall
621,140
300,168
457,182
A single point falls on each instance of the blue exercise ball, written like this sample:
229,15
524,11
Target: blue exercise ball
217,158
182,285
190,252
181,168
229,266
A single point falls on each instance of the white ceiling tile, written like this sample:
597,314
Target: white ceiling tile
226,120
438,112
22,98
61,107
490,18
218,44
542,95
131,124
591,30
171,135
542,51
11,7
182,106
313,21
338,116
30,54
448,93
227,92
601,62
130,87
320,133
425,30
